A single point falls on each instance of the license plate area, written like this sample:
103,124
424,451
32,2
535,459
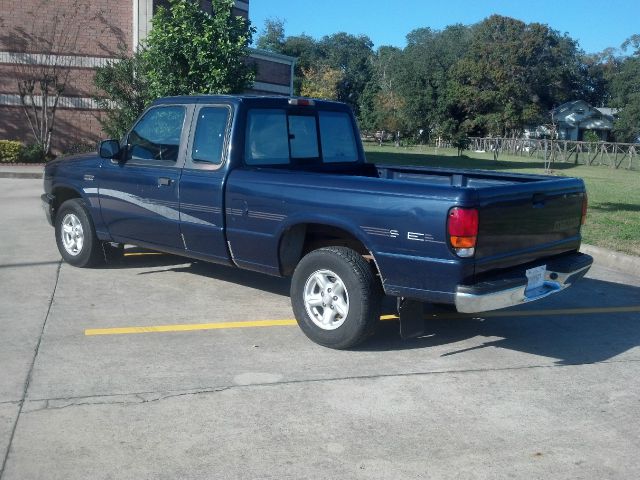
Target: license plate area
535,278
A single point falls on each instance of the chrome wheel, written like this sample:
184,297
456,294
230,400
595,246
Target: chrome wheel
72,235
326,299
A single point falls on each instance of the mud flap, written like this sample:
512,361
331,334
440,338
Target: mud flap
411,313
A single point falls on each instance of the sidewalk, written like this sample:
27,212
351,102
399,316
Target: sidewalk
22,170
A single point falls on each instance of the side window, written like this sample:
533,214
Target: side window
208,141
157,135
338,141
266,139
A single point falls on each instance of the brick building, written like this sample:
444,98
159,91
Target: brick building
105,29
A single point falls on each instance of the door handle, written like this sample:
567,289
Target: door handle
164,182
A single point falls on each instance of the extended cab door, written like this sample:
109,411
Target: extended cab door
202,183
139,192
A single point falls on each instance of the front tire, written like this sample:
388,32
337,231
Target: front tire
75,235
336,297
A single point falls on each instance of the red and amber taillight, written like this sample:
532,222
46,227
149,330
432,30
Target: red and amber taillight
585,206
462,228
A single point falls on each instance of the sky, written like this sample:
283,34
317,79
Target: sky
595,25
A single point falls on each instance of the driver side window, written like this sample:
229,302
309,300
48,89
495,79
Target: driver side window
156,137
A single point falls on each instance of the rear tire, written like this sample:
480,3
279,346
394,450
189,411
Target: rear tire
75,235
336,297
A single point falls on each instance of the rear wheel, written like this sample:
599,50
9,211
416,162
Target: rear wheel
336,297
75,235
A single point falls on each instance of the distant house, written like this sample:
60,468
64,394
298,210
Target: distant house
573,119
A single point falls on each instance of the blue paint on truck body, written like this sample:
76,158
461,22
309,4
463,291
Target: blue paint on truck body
234,213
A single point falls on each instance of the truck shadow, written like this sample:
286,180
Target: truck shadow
245,278
578,326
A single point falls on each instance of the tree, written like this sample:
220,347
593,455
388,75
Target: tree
322,83
190,51
513,74
42,83
351,55
272,38
625,87
124,86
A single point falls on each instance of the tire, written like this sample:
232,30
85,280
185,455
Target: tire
336,297
75,235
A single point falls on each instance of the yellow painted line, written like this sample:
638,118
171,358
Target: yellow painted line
289,322
142,254
189,327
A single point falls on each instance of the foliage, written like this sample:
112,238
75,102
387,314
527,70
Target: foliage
322,83
272,38
10,151
190,51
33,153
496,77
625,87
512,75
123,84
590,136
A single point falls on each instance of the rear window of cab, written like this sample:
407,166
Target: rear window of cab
281,137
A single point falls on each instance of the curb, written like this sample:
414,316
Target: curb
22,170
610,259
37,175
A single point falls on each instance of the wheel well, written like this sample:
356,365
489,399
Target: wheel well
62,194
301,239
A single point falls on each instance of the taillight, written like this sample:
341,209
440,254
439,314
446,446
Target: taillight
302,102
462,227
585,205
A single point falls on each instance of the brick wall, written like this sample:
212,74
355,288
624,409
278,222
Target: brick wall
72,127
271,72
102,27
79,82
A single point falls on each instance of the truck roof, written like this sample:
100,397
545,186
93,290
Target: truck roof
264,100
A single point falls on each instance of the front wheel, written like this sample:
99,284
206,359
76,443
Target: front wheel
75,236
335,296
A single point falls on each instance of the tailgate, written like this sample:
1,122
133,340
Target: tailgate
525,222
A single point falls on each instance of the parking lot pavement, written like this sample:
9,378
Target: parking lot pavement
549,390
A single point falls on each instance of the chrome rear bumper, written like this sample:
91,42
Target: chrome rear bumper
503,292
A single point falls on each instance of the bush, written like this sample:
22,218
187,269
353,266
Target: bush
33,154
10,151
76,148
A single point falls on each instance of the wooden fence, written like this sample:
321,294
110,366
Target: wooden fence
613,155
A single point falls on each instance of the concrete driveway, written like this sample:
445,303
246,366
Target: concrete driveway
550,390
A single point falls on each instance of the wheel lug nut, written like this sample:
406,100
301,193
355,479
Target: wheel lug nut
322,294
335,298
332,307
329,290
324,304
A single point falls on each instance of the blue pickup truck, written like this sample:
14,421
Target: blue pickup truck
281,186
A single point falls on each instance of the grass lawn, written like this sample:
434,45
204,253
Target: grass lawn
614,195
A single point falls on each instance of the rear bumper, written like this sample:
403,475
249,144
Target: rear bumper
507,289
47,205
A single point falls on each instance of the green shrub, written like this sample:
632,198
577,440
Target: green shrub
10,151
75,148
32,154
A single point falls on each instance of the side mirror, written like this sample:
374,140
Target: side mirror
109,149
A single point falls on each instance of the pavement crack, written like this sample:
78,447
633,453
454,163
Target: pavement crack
124,399
140,398
30,373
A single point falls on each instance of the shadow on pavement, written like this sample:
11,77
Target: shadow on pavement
571,338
